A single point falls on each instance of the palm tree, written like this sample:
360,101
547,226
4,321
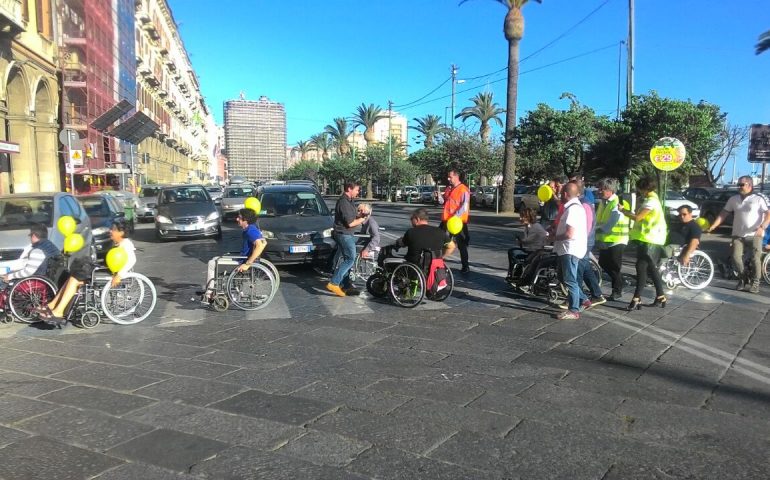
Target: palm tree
513,28
764,42
339,133
303,147
429,126
323,142
485,110
367,116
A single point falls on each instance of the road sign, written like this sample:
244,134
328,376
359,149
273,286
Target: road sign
759,143
9,147
71,138
76,158
667,154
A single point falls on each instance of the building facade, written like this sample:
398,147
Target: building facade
29,101
255,137
396,127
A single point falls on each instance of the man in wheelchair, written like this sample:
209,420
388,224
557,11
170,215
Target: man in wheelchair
422,237
35,256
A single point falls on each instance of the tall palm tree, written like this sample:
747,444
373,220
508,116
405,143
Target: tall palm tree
513,28
303,147
763,44
485,110
323,142
339,133
366,116
429,126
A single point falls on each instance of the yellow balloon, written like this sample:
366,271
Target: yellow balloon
454,225
253,203
116,259
544,193
703,223
73,243
66,225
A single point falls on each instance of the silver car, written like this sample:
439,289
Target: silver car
216,192
186,211
233,199
147,201
19,211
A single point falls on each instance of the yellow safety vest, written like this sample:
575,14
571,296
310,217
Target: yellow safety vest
619,232
651,229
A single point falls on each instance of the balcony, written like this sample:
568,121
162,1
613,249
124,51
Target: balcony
171,65
11,21
162,93
144,70
152,80
143,18
163,52
152,32
75,117
171,102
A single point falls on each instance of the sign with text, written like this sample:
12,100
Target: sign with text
9,147
667,154
76,158
759,143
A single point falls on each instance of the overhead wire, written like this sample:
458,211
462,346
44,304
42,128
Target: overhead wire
424,96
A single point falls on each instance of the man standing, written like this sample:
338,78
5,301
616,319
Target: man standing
612,233
751,216
457,200
571,245
346,219
585,271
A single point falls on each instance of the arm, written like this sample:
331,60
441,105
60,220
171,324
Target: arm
610,223
638,216
765,222
464,205
256,251
568,234
34,260
449,248
720,218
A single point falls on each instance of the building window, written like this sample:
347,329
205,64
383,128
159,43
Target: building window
25,10
44,18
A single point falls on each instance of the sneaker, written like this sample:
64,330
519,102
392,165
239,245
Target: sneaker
586,305
598,300
335,289
754,288
465,269
740,285
352,292
568,315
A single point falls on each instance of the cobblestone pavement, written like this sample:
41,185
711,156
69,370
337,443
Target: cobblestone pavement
486,385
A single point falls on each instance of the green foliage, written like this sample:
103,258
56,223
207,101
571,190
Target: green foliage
302,170
338,169
468,152
485,110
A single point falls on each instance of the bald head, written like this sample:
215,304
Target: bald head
571,190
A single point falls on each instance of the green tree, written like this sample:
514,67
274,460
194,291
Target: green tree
463,150
302,170
763,44
366,116
513,28
339,133
339,169
303,147
429,126
322,142
484,110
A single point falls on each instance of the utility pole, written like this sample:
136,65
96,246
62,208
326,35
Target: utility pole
390,145
630,69
454,82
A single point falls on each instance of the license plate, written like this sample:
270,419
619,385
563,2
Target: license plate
188,228
300,249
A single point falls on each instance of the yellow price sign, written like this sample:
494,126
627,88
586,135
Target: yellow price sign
667,154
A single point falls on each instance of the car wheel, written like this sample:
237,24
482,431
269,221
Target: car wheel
160,237
92,255
473,202
218,236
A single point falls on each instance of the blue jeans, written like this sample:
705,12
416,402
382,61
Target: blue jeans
568,265
346,247
588,276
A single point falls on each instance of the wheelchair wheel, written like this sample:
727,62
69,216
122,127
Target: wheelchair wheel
698,273
274,271
27,294
407,285
597,271
766,268
252,289
220,303
363,268
130,302
377,285
445,292
90,319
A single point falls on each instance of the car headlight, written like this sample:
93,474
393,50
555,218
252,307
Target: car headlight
162,219
267,234
328,232
100,230
212,216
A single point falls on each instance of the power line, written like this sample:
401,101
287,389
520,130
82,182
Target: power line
424,96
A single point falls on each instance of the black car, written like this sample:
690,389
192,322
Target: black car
711,207
296,223
700,194
103,211
186,211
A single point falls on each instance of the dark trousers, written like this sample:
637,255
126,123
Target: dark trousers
647,258
462,240
611,261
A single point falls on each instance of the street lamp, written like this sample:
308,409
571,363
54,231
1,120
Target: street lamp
455,81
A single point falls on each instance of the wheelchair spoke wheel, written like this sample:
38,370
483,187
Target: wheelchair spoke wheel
766,268
597,271
132,301
220,303
698,273
90,319
27,294
274,271
252,289
407,285
363,268
377,285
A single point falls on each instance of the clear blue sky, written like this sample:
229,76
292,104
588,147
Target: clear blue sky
324,58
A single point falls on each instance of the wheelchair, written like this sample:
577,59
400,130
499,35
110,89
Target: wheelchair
696,275
251,290
405,282
132,301
20,298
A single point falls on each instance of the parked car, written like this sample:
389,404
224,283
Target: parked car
527,199
674,200
128,202
484,196
438,192
410,194
186,211
309,183
426,193
19,211
700,194
711,207
148,201
233,198
296,223
216,192
102,211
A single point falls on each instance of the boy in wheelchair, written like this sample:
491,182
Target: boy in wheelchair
531,242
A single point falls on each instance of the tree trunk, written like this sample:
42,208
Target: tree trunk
509,158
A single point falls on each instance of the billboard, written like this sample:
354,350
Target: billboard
759,143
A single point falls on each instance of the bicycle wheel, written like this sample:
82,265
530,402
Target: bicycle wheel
27,294
445,292
132,301
698,273
252,289
766,268
407,285
377,285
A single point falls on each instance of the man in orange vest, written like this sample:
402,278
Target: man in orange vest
457,200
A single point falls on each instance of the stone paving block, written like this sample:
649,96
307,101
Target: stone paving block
560,396
400,355
379,369
14,409
254,337
167,349
187,367
447,348
10,435
193,391
334,339
7,354
90,398
280,408
413,435
255,362
112,377
224,427
431,389
27,385
83,352
578,351
686,467
397,341
238,463
438,319
510,386
40,457
459,418
568,362
36,364
352,323
323,448
169,449
480,365
352,397
393,464
445,334
84,428
508,343
685,390
740,394
277,381
134,471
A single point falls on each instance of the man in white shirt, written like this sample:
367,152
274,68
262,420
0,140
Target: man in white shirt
751,216
571,244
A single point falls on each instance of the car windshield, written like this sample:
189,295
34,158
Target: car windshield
17,213
674,196
184,194
277,204
521,189
426,189
95,206
239,192
489,189
147,192
214,189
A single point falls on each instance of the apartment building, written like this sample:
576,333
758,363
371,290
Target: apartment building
255,137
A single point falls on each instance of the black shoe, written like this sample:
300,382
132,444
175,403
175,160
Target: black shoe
352,291
659,301
636,304
615,297
465,269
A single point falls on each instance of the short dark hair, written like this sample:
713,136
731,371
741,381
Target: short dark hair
121,226
420,214
686,208
647,184
39,230
529,214
349,185
248,214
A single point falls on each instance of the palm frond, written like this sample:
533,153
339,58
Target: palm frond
763,44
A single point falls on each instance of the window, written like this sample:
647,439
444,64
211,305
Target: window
44,18
25,10
74,206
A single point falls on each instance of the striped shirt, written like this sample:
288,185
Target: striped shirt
33,258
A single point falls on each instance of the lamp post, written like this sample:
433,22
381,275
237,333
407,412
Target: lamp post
390,145
455,81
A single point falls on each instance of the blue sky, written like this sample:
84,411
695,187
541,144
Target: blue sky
324,58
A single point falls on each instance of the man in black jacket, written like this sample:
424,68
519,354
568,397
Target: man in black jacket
346,219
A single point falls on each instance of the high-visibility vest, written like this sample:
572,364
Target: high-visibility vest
652,228
454,201
619,232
